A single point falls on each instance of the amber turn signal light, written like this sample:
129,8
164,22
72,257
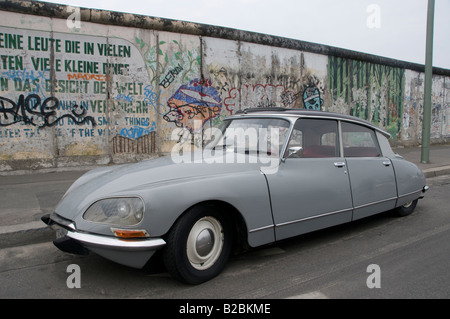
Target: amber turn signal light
130,233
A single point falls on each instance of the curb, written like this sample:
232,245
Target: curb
437,171
25,234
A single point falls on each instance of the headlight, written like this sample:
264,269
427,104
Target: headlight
116,211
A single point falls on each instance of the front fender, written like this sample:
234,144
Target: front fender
246,191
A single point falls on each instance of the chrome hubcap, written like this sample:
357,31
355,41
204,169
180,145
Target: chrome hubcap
407,204
204,243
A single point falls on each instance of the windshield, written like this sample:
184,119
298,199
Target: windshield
251,136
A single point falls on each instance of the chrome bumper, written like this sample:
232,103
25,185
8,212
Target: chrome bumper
424,190
134,253
116,243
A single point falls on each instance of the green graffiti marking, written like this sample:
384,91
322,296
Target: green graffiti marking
371,91
160,64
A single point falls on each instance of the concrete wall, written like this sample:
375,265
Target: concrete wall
114,88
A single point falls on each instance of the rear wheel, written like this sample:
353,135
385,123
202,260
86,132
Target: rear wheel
406,209
198,245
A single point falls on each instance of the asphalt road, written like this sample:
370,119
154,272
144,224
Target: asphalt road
411,256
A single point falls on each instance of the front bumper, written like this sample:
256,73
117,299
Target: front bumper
424,190
132,253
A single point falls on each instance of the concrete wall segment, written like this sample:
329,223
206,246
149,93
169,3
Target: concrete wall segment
169,25
115,89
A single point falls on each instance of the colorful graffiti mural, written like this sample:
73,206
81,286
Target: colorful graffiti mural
312,99
193,105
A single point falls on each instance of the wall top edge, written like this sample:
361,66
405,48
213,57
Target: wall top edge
105,17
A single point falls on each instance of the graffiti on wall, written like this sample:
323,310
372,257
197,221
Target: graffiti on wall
370,91
169,60
109,90
312,98
146,144
87,87
168,63
31,110
259,95
269,95
136,131
193,105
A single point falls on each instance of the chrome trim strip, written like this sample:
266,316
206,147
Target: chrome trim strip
417,191
313,217
261,228
286,142
377,202
115,243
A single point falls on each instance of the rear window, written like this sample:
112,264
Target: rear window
359,141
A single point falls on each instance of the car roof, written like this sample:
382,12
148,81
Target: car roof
297,113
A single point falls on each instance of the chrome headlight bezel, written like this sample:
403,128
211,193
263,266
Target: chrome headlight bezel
118,211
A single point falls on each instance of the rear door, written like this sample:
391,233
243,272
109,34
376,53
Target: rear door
372,178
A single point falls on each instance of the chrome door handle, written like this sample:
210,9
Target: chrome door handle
339,164
386,163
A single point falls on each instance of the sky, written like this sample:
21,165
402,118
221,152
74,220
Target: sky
389,28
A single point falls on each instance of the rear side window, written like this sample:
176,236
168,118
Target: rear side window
359,141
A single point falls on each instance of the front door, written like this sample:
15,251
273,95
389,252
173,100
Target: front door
311,188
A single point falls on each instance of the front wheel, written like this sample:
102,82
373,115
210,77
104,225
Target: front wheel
406,209
198,245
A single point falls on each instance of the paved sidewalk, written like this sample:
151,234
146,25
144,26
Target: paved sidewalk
24,198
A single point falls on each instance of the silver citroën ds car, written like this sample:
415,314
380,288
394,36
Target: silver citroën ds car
266,175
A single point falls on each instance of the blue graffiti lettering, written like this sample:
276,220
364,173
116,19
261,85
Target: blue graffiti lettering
151,97
137,131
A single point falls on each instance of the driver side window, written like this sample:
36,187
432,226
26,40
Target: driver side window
314,138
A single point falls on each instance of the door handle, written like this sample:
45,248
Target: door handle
386,163
339,164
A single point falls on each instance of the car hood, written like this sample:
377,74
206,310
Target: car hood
131,179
